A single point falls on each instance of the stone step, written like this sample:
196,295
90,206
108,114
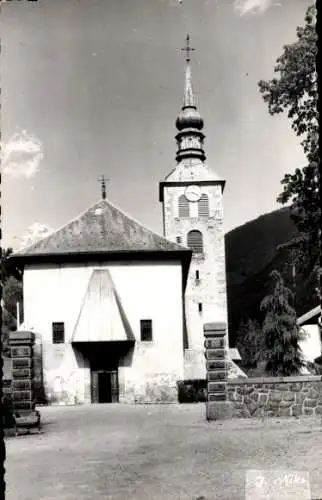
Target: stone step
21,337
24,351
215,354
24,405
216,387
216,364
216,375
217,397
20,373
22,395
24,385
215,343
22,363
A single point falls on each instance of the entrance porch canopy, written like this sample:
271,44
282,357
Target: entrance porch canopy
101,317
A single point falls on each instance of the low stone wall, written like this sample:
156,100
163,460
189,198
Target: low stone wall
276,396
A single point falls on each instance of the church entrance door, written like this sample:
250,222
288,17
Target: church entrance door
104,386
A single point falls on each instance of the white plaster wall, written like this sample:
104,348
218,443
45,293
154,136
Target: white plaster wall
311,345
147,291
211,289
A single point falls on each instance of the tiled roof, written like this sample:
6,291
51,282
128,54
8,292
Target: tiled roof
101,228
191,171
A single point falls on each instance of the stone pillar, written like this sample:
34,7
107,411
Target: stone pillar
217,407
23,398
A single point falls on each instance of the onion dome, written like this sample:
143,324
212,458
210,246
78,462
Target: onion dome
189,117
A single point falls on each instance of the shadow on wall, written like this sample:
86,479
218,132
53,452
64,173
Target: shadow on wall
127,327
103,355
39,390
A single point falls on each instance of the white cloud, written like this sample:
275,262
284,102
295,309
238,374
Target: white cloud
244,7
34,233
21,155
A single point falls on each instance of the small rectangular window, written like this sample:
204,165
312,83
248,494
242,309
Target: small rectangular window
146,330
58,332
179,239
197,275
200,307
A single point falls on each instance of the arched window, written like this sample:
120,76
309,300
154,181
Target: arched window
183,206
203,206
194,241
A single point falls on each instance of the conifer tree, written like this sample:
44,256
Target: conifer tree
281,349
249,342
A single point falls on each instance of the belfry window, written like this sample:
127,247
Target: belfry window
203,206
183,206
194,241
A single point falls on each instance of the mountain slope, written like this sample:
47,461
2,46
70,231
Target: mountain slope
251,254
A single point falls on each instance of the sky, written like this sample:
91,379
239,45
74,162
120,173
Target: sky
94,87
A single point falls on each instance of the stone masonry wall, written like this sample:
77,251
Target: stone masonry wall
276,396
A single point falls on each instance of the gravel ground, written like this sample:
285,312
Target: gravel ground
154,452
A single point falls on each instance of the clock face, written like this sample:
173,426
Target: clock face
193,193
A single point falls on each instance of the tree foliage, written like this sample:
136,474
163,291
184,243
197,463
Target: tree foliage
282,334
295,91
249,342
7,267
11,294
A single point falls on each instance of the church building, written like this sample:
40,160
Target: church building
118,311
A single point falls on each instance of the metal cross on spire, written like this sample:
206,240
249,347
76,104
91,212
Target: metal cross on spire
187,49
103,182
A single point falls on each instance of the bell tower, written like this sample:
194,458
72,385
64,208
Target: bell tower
192,196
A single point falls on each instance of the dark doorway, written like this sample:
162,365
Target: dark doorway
104,358
104,385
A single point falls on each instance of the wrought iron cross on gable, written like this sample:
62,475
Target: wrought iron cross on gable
103,182
187,49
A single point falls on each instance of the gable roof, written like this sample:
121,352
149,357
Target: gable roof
190,172
193,171
101,228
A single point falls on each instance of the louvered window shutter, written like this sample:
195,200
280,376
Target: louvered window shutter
194,241
183,206
203,206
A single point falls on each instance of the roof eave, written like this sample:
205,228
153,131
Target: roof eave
184,255
20,258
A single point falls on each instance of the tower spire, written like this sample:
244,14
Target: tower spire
188,100
189,122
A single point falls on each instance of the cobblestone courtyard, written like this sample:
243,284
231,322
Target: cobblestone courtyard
154,452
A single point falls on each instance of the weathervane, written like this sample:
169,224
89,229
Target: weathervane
103,181
187,49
